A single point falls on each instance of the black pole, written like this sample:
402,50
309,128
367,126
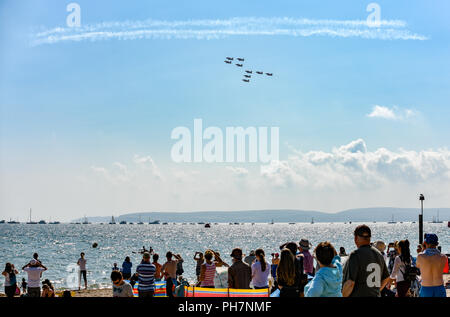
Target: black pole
421,198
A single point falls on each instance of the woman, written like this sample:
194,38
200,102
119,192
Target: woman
126,268
286,275
208,269
260,271
398,271
47,289
10,279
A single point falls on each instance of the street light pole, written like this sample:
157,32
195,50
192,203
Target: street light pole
421,198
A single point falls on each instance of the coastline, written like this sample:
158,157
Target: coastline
107,292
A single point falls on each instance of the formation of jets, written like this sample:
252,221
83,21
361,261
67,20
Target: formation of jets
247,77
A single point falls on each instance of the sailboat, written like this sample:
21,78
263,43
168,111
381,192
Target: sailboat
392,221
112,222
31,222
312,220
140,222
437,220
85,222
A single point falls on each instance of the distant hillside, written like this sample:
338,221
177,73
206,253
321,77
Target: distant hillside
357,215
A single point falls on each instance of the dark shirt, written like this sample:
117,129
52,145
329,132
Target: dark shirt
299,273
367,268
239,275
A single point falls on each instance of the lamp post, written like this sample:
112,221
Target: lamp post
421,198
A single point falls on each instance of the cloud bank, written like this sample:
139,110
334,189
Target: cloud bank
222,28
352,166
347,176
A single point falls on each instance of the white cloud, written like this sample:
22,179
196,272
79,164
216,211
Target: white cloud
394,113
353,167
221,28
147,162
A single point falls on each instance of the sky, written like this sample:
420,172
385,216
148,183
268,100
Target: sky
87,112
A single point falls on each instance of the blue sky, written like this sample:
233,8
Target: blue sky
73,108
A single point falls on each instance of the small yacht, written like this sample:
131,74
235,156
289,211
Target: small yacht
31,222
392,220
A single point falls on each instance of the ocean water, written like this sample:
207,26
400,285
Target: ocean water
59,246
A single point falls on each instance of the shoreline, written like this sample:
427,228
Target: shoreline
107,292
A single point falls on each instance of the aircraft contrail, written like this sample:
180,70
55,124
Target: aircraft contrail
222,28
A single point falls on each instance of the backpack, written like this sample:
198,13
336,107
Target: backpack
410,273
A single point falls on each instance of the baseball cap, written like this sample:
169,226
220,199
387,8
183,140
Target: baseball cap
363,231
33,262
431,238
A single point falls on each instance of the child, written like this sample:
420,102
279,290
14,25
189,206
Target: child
328,280
24,286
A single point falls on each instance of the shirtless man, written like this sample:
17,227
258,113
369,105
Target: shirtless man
431,264
169,270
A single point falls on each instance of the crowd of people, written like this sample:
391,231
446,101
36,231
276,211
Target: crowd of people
368,271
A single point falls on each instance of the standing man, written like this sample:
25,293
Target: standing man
34,270
250,258
431,264
180,269
169,270
365,271
146,276
308,260
239,273
82,273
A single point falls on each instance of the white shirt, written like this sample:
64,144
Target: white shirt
34,276
82,263
398,270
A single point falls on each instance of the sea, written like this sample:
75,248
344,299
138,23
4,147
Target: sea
59,246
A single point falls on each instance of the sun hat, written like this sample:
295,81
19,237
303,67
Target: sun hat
236,253
304,244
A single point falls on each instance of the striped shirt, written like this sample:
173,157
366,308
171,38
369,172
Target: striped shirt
146,276
210,272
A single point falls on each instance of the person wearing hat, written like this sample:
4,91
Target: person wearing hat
239,274
250,258
365,271
34,270
146,276
431,264
308,262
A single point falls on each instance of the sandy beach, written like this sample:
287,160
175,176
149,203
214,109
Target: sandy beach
107,292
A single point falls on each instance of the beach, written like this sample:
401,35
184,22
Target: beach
107,292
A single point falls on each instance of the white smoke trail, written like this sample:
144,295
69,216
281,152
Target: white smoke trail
215,29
